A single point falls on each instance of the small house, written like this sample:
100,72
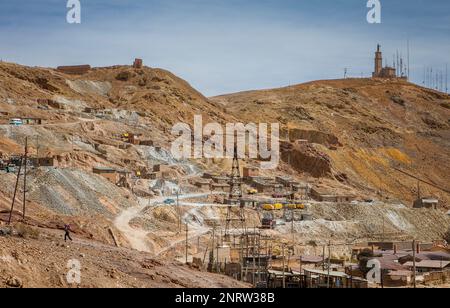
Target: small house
92,110
44,162
138,63
428,266
148,143
208,175
202,184
268,187
161,168
322,196
221,179
250,203
75,69
301,142
131,138
301,188
32,121
217,187
426,203
286,181
110,174
311,260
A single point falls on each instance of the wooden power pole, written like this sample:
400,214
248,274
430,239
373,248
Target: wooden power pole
284,268
23,161
25,179
414,264
187,242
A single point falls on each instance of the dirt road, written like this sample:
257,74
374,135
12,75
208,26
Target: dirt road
138,238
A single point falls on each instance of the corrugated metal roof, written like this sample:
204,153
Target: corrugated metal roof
400,273
311,259
429,264
389,264
325,273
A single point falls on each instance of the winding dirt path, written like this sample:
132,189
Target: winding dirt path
138,238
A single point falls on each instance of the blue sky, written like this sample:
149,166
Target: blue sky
223,46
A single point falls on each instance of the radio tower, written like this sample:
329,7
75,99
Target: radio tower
236,212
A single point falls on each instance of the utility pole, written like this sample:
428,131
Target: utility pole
292,227
37,150
414,264
217,259
15,192
213,246
25,179
323,258
179,210
23,161
284,268
408,59
329,265
241,244
187,241
446,78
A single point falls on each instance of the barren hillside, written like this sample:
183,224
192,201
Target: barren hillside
26,263
365,127
356,132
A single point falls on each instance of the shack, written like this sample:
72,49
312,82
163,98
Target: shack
426,203
318,279
110,174
203,184
267,187
44,162
220,187
221,179
429,266
32,121
322,196
75,69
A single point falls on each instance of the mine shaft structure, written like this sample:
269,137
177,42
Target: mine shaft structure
235,221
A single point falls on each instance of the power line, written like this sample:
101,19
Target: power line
446,78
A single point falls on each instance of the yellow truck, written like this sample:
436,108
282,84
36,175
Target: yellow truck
252,191
268,207
295,206
278,206
273,207
300,206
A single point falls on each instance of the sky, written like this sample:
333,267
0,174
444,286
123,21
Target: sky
225,46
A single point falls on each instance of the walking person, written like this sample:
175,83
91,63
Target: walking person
67,231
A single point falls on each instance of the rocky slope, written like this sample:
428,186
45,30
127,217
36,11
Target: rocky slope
24,262
362,130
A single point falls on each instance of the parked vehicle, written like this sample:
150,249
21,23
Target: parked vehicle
16,122
268,222
10,169
169,202
252,191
